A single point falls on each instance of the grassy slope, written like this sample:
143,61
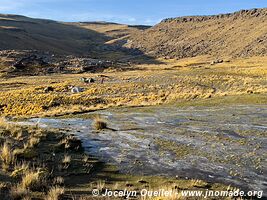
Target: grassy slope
240,34
19,32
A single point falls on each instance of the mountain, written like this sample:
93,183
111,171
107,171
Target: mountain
239,34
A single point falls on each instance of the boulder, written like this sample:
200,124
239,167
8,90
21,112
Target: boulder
216,61
77,89
48,89
87,80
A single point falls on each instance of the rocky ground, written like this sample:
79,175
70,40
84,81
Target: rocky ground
19,63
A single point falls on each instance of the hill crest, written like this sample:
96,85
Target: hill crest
240,34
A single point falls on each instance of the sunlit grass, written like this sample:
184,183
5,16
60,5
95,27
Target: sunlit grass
174,81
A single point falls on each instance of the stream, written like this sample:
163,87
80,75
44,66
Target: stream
225,144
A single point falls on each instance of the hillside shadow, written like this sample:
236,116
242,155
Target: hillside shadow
66,39
117,52
140,27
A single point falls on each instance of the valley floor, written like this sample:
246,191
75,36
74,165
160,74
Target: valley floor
180,83
186,81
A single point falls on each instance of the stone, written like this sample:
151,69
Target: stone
48,89
77,89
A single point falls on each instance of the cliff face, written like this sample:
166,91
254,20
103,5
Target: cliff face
239,34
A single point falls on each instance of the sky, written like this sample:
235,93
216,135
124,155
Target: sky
147,12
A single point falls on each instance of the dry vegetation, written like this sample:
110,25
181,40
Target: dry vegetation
50,165
185,80
99,123
239,34
52,170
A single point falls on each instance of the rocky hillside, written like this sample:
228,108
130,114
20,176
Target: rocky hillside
239,34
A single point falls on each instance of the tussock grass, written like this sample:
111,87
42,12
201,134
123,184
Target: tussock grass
6,156
100,185
58,181
85,158
32,180
33,142
99,123
4,123
198,183
235,78
54,193
18,192
20,169
66,161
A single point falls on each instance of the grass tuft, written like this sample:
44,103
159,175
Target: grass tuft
55,193
20,169
33,142
18,192
99,123
66,161
6,156
31,180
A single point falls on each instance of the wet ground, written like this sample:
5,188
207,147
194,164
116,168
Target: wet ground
217,144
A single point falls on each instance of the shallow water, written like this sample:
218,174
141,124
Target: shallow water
218,144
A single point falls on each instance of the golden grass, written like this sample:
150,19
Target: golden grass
20,169
100,185
66,161
33,142
31,179
6,156
99,123
54,193
175,80
18,192
58,180
198,183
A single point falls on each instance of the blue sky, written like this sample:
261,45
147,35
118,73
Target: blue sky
123,11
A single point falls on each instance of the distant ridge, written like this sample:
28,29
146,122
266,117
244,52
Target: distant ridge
238,34
242,33
242,13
